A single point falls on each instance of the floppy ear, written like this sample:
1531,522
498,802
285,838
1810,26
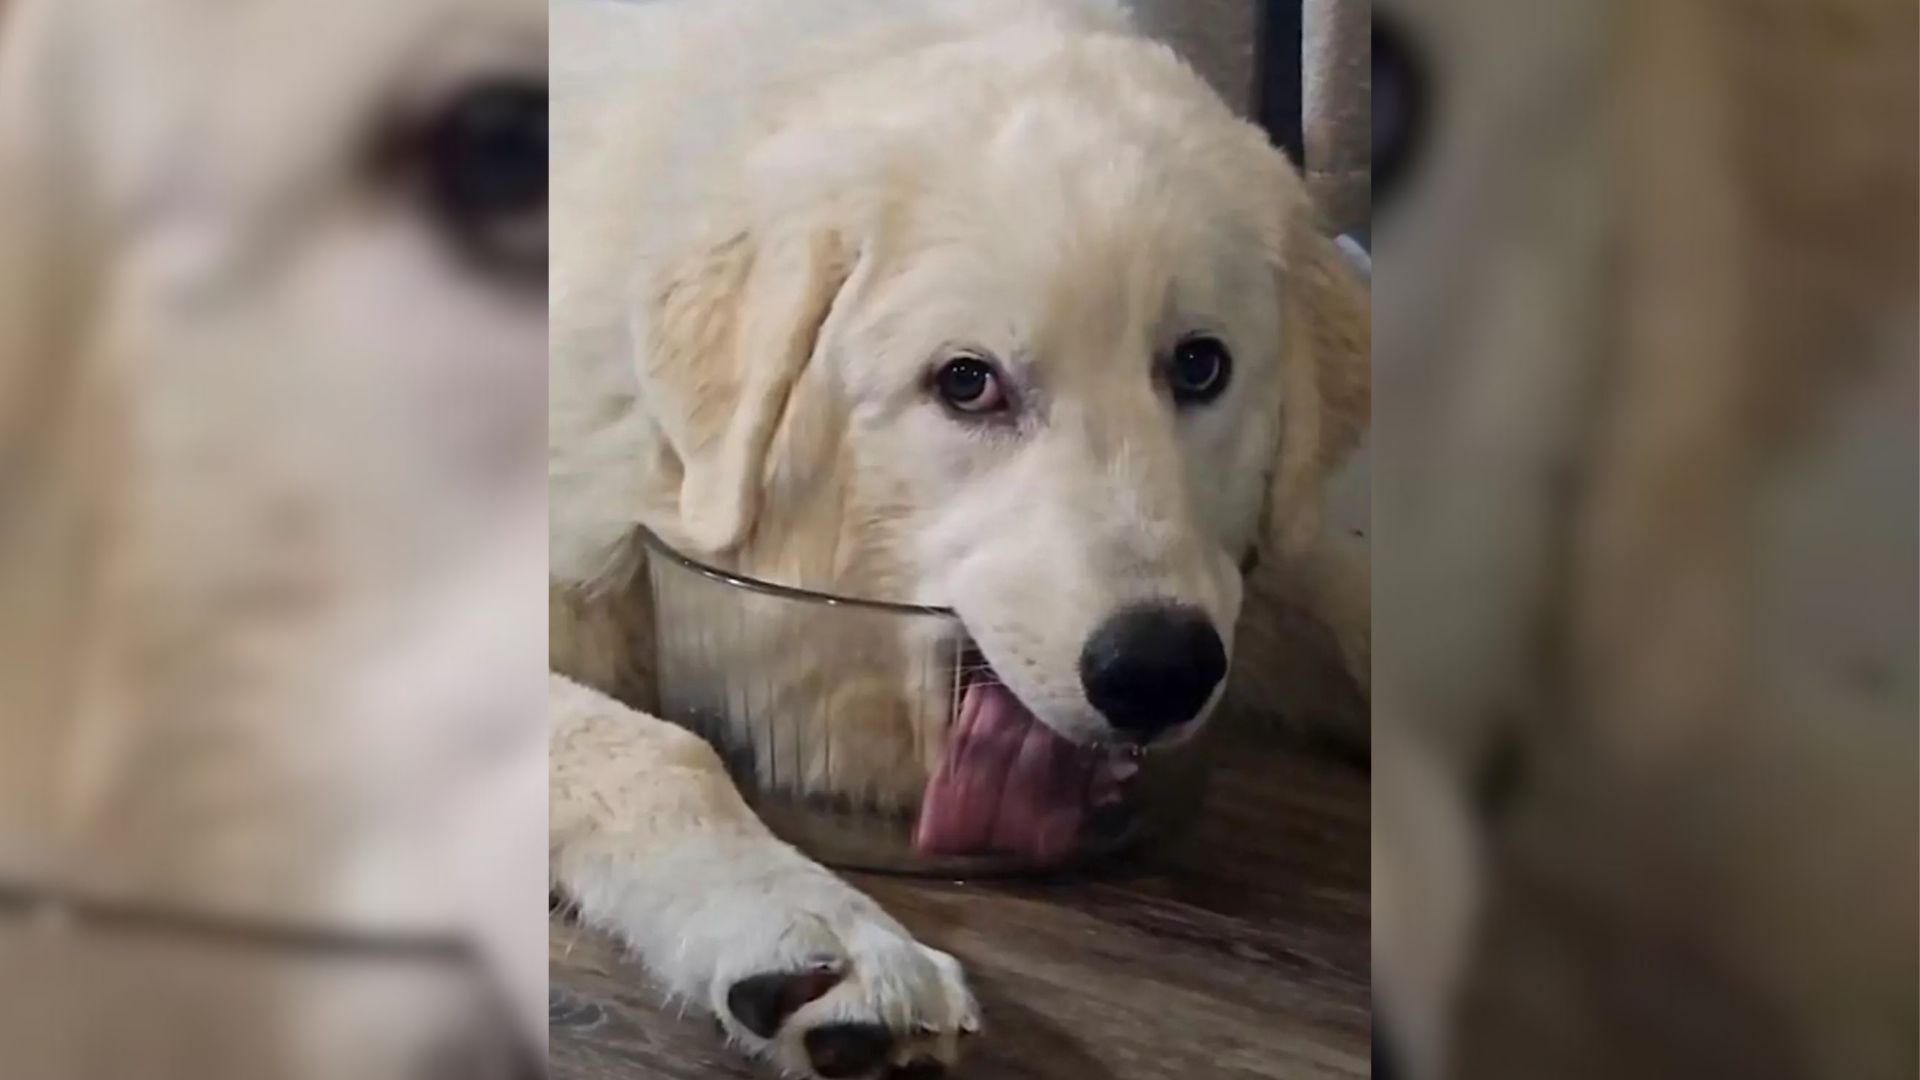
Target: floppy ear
730,327
1328,387
1308,600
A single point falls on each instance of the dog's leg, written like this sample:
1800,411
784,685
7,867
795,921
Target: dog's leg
650,839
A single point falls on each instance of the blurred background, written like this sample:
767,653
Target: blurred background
272,535
1641,497
1644,481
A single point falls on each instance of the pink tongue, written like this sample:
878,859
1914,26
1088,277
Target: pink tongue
1008,784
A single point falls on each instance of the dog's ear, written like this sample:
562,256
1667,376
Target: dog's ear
728,329
1332,320
1327,396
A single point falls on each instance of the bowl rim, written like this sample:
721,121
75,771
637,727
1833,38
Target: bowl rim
658,546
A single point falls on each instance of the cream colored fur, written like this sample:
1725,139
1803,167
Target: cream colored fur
1646,463
269,539
770,220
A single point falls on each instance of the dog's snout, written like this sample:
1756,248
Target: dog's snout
1152,667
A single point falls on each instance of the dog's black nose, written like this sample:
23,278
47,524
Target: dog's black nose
1152,667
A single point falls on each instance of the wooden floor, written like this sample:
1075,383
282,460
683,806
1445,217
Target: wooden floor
1242,953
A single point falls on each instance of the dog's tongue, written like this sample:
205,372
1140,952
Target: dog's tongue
1008,784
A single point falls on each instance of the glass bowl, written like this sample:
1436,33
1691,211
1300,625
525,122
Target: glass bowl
857,728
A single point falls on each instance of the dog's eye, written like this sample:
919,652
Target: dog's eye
477,166
1400,108
1199,370
970,385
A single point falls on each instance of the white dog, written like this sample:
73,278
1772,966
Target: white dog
271,394
988,305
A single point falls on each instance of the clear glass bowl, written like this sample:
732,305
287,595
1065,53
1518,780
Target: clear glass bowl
836,715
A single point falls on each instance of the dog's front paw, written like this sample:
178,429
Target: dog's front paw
825,984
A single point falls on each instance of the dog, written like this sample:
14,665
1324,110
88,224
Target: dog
1644,458
992,306
272,323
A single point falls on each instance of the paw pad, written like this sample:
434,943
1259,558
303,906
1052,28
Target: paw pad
761,1003
842,1050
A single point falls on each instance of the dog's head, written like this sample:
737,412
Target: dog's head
1060,350
271,338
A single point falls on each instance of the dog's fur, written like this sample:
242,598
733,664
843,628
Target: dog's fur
253,417
770,221
1644,731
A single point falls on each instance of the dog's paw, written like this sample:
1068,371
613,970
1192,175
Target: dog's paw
825,984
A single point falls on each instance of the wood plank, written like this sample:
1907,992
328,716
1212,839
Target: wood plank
1240,953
